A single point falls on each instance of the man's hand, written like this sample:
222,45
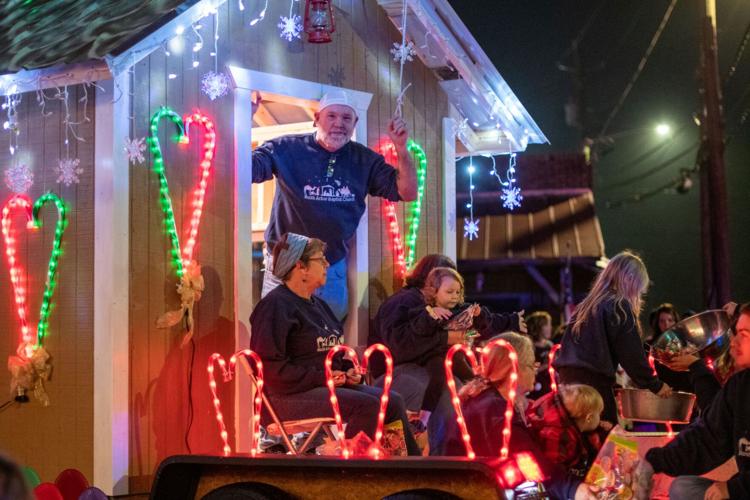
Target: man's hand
522,322
398,133
255,100
682,362
353,377
339,378
665,391
717,491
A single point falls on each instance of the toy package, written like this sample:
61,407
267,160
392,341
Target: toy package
615,470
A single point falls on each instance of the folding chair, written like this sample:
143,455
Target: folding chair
290,427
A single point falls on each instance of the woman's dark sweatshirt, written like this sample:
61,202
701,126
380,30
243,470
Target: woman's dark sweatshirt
485,416
608,338
292,335
721,432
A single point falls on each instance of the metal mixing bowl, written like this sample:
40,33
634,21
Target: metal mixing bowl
706,333
645,406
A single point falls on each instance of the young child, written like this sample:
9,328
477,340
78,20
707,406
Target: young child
446,310
565,424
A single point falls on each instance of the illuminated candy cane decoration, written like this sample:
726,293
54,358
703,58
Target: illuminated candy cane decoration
551,369
455,400
164,198
218,358
199,195
227,372
652,363
16,271
511,390
346,452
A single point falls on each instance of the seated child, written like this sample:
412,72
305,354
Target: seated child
565,424
444,294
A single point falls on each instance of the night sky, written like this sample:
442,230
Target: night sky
526,40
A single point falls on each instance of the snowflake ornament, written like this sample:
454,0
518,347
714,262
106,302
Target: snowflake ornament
403,52
215,84
68,171
134,149
511,197
471,228
19,178
291,27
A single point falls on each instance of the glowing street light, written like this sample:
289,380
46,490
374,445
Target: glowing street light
663,130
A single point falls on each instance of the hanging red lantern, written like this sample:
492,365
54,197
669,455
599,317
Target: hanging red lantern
319,22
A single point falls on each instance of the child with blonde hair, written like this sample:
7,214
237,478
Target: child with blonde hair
565,425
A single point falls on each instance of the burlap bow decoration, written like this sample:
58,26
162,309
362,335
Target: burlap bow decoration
29,368
190,288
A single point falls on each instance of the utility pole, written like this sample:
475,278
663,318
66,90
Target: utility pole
714,212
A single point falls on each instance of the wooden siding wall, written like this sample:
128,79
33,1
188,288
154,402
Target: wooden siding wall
50,439
360,59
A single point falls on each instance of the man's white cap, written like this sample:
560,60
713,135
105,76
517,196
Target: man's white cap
335,97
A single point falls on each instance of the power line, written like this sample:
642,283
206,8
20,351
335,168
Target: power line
639,69
579,37
737,56
653,170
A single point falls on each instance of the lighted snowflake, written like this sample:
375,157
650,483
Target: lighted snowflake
215,84
471,228
511,197
291,27
134,149
19,178
403,52
68,171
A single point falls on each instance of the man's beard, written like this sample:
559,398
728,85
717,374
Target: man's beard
336,141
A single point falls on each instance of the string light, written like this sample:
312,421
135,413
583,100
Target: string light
388,150
471,225
345,450
511,389
260,16
551,369
16,271
469,353
165,200
511,194
227,373
199,195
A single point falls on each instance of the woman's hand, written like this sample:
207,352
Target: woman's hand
439,313
717,491
586,492
730,308
339,378
606,425
521,322
353,377
682,362
665,391
456,337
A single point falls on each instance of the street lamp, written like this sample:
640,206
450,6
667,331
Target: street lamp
663,130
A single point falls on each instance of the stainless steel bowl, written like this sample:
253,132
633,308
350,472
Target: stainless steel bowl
645,406
706,333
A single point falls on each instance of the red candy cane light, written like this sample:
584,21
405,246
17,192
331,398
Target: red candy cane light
511,389
18,202
455,400
652,362
199,195
345,451
227,372
551,369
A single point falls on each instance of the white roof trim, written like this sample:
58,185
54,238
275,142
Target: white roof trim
480,85
52,77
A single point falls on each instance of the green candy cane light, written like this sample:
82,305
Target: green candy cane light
164,199
416,206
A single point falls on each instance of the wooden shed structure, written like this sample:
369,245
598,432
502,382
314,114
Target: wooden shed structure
83,82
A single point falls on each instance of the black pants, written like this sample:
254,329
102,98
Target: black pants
438,384
603,384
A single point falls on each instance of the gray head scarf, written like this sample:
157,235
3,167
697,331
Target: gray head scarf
290,253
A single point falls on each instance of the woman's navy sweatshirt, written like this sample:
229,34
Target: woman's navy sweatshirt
292,335
721,432
608,338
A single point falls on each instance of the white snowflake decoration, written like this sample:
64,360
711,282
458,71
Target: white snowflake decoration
215,84
291,27
471,228
19,178
511,197
403,52
68,171
134,149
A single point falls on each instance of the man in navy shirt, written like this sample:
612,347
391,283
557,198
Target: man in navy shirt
322,180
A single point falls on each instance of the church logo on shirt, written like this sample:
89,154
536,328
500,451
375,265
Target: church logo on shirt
326,343
743,447
331,191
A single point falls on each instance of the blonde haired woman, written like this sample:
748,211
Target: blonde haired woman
605,332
